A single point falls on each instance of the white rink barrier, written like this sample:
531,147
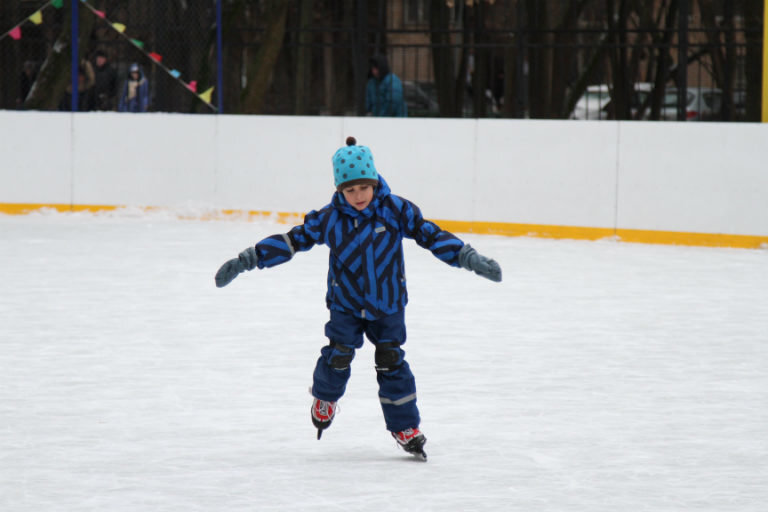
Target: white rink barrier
690,183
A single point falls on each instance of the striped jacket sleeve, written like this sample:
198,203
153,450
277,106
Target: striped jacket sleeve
280,248
443,244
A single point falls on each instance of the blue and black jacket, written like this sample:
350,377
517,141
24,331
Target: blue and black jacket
366,271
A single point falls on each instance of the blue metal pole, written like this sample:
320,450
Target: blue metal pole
75,52
219,69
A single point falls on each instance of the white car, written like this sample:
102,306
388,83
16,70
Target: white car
594,103
702,104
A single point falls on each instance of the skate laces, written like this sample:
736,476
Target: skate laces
323,410
407,435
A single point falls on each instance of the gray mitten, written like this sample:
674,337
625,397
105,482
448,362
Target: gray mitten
246,260
470,259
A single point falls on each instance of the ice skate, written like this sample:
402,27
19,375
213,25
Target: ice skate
322,414
412,441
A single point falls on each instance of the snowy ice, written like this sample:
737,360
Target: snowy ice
598,376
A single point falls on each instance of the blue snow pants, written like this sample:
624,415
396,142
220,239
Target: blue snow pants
397,386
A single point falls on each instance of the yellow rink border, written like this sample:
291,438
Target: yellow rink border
484,228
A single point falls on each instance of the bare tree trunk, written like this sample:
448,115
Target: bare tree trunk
460,85
234,53
621,92
510,57
753,10
201,60
12,61
480,76
442,58
329,77
303,62
563,57
260,70
663,42
721,59
540,60
55,75
580,85
345,83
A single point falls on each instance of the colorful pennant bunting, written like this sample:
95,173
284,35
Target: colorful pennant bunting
206,96
37,18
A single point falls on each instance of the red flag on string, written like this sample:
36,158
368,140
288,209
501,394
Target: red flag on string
100,14
192,85
156,56
15,33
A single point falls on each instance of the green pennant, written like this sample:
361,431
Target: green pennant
57,3
137,43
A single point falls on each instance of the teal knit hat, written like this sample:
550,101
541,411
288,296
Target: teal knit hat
353,163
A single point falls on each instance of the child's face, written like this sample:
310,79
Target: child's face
359,196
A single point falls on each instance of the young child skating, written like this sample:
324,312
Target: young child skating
363,227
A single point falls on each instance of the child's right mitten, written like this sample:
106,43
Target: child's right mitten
246,260
470,259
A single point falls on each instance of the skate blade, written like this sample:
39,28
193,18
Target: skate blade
319,434
420,456
417,452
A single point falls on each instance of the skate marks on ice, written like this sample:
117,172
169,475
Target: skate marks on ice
596,377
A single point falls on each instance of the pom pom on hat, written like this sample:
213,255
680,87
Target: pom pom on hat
353,163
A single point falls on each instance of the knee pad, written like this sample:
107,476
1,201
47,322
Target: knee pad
388,357
340,356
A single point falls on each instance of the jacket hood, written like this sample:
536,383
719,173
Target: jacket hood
380,62
381,193
135,67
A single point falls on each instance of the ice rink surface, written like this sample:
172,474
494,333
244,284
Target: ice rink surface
598,376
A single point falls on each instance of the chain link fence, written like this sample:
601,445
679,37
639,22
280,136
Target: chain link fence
459,59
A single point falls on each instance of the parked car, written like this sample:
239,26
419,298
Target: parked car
591,104
596,100
702,104
421,98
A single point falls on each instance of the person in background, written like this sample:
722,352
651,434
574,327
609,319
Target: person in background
384,91
105,86
135,95
85,81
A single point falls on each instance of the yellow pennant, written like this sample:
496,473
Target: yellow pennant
36,18
206,96
119,27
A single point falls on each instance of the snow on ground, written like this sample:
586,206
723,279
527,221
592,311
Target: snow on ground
599,376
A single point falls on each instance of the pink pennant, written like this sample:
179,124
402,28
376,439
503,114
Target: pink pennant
100,14
15,33
192,85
